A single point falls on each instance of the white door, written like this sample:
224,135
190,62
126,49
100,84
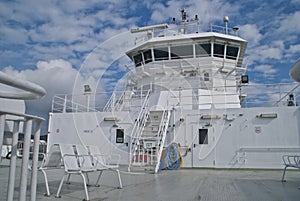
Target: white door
203,149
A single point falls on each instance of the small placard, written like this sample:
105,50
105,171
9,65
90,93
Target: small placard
258,130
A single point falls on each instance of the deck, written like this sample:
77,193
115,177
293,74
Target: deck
177,185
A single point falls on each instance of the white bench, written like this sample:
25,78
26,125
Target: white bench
292,161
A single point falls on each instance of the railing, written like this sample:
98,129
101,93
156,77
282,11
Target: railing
188,30
269,95
253,95
32,91
138,127
224,30
162,135
115,103
62,103
28,121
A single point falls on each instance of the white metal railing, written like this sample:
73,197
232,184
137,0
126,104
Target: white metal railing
114,103
32,91
29,121
74,103
138,128
162,135
269,95
189,29
254,95
222,29
31,127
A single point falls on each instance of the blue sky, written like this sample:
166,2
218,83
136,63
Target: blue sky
47,42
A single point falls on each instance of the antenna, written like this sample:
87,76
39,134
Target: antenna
226,20
184,21
183,14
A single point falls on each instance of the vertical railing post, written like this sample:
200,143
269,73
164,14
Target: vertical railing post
65,104
25,159
13,161
36,133
2,126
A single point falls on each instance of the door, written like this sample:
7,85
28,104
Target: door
203,151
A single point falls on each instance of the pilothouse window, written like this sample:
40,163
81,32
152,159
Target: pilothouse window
231,52
147,56
161,54
203,50
219,50
181,52
138,59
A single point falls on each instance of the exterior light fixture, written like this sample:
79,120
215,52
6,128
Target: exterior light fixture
210,116
244,79
267,115
87,88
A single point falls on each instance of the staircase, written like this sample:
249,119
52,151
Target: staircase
148,146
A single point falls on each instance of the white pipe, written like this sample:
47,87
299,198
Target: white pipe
2,126
36,134
33,91
13,162
25,160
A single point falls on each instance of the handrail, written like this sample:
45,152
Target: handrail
28,122
111,104
292,90
34,91
270,95
162,136
137,128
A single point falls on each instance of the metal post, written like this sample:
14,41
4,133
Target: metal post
13,162
113,102
2,126
65,105
36,145
25,160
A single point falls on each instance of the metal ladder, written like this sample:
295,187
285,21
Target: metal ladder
149,146
138,128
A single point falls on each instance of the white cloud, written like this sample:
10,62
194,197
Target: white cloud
251,33
290,24
266,70
294,49
56,76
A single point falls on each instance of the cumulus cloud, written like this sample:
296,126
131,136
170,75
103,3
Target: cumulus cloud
290,24
265,70
251,33
56,76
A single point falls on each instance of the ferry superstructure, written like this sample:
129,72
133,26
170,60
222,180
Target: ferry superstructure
185,88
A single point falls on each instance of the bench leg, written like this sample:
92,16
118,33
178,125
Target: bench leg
60,186
46,183
119,178
85,187
282,179
68,179
97,182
